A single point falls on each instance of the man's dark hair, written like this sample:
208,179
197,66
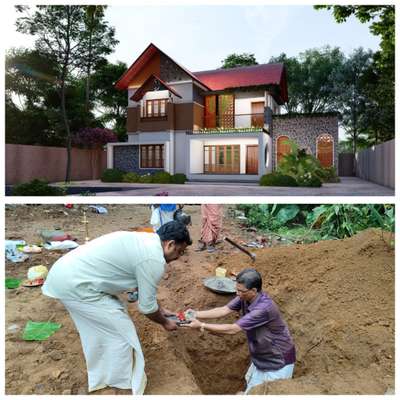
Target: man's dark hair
176,231
250,278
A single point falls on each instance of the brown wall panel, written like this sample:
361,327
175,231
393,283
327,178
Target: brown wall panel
184,116
132,119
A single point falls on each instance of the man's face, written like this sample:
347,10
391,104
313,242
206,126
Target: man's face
172,250
244,293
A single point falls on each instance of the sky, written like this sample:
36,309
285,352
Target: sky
200,36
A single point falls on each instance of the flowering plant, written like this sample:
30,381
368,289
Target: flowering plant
94,137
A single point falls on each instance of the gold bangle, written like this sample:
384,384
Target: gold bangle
202,327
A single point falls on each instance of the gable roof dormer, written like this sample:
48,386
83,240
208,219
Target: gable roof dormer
153,83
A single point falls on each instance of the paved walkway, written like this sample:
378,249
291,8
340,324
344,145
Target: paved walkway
349,186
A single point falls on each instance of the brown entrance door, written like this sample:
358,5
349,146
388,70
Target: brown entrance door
252,160
257,114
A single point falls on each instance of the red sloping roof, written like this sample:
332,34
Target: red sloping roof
254,75
141,61
143,89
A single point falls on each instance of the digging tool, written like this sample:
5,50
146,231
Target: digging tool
238,246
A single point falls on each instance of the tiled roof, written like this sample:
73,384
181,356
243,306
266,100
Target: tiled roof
219,79
254,75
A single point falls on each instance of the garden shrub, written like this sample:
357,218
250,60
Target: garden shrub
162,177
112,175
37,187
148,178
309,180
328,175
277,179
131,177
178,178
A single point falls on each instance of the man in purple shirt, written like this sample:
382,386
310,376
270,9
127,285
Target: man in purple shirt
271,347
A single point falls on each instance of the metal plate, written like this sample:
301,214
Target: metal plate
219,284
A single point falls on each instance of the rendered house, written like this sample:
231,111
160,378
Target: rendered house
223,124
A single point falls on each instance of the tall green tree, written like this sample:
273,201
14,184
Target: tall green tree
100,40
311,79
110,103
351,95
239,60
380,78
61,34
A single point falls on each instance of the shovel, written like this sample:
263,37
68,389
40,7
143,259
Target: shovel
238,246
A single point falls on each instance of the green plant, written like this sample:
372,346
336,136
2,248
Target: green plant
309,180
37,188
327,175
344,220
162,177
131,177
148,178
112,175
277,179
178,178
303,167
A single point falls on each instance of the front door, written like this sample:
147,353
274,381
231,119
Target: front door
252,160
257,114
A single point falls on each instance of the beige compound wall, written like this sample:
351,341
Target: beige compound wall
24,163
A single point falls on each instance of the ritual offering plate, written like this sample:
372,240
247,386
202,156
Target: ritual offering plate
33,282
220,284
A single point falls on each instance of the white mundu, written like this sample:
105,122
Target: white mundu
86,281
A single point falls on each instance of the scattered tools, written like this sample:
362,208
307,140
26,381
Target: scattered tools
238,246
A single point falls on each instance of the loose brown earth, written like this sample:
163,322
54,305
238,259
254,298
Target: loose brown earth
336,296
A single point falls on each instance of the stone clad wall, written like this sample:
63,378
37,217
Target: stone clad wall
126,158
304,130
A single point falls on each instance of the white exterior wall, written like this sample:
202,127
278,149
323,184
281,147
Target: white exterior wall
185,89
196,157
243,102
268,153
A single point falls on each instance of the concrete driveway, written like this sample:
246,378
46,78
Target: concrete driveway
349,186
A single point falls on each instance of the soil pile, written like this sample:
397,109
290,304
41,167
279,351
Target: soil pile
336,296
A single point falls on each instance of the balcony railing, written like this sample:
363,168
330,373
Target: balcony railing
238,123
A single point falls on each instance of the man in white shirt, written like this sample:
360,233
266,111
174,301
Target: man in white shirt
87,280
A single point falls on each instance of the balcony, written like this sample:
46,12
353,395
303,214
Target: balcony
234,123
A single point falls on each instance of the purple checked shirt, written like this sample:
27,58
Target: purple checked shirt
270,344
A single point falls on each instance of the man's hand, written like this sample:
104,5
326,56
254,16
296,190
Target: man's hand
170,325
194,324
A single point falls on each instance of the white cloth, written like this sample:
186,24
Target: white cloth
86,281
108,336
109,265
256,377
159,217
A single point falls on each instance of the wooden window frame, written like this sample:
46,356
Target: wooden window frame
147,155
150,105
224,168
